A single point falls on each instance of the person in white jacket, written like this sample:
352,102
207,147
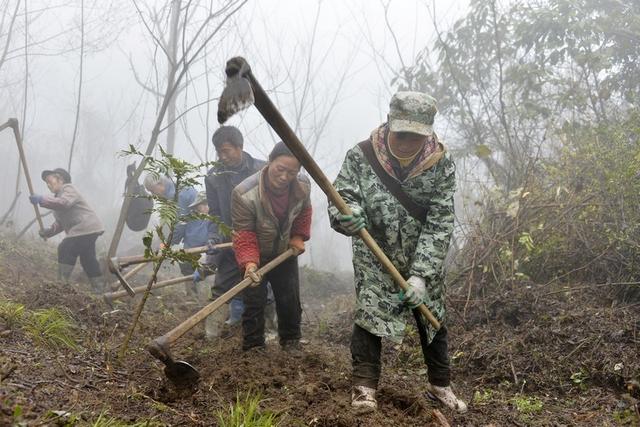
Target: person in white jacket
78,220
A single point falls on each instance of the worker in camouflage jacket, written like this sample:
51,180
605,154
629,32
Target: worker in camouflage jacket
405,151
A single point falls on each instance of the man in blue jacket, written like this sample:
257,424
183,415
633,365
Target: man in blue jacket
233,167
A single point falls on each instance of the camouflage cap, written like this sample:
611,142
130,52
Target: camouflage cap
201,197
412,112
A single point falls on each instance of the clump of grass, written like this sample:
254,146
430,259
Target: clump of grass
12,313
104,420
527,406
246,412
52,327
482,397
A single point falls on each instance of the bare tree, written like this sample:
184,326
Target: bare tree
81,65
195,34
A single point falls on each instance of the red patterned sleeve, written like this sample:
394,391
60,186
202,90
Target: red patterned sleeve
302,224
245,245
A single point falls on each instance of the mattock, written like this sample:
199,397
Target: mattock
181,373
13,124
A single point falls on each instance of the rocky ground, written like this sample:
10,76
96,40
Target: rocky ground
521,354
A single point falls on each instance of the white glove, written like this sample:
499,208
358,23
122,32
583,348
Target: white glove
414,296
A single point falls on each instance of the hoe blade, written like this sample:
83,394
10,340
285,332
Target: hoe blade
237,94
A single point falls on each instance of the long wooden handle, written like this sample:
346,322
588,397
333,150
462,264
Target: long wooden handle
110,296
131,273
13,123
170,337
139,259
279,124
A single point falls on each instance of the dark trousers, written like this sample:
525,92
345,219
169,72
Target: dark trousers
227,275
84,247
286,291
366,348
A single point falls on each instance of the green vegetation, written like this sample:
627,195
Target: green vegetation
52,327
626,417
557,152
12,313
246,412
482,397
104,420
526,406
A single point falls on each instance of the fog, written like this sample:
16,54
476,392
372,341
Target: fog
328,66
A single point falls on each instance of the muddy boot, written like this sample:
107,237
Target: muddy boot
98,284
363,399
446,396
213,324
64,272
292,347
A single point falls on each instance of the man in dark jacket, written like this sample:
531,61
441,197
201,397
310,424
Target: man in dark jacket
234,166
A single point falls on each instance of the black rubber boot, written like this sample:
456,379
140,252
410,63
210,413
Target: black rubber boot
64,272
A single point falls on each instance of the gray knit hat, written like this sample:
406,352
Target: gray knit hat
228,134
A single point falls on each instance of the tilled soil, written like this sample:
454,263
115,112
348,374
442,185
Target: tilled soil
525,355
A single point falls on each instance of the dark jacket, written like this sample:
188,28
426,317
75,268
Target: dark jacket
219,183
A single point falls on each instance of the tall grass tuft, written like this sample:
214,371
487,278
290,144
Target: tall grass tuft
52,327
12,313
246,412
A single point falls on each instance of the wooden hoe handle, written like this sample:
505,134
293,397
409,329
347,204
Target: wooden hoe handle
170,337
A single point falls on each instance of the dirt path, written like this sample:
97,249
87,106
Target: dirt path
521,357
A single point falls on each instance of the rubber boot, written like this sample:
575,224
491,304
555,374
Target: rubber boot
446,396
64,272
213,324
363,399
236,308
97,284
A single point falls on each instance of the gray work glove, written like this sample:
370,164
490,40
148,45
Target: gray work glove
414,296
353,223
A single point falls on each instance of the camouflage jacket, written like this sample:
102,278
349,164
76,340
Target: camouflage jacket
415,248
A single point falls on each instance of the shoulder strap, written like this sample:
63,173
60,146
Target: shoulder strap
416,211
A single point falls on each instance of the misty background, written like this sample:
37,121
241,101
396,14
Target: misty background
327,65
538,104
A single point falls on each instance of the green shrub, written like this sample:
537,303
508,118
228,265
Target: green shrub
577,218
